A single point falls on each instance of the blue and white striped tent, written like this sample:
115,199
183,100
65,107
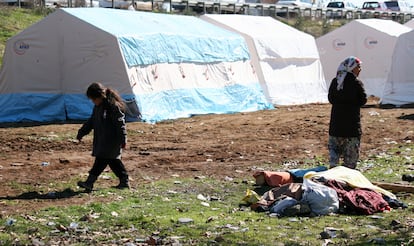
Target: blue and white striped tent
167,66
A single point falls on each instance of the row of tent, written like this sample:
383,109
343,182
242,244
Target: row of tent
172,66
386,49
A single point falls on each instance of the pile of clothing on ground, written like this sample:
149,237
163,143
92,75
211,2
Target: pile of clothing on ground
319,191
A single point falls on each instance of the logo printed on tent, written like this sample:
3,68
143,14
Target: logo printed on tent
20,47
338,44
370,42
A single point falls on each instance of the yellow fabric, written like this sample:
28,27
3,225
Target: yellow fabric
353,177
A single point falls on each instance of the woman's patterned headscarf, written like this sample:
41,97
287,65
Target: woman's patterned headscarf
346,66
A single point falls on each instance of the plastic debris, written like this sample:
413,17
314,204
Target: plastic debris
10,222
201,197
185,220
205,204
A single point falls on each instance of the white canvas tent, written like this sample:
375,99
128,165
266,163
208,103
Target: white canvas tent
399,87
285,59
167,66
410,23
372,40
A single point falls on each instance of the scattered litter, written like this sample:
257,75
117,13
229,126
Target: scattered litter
274,215
380,241
61,228
408,177
10,222
392,142
86,217
375,217
114,214
251,197
214,198
211,218
37,242
395,223
327,242
229,226
51,223
45,163
201,197
64,161
329,232
205,204
244,229
73,225
227,178
185,220
373,113
372,227
16,164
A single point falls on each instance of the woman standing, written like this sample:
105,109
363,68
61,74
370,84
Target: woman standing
347,96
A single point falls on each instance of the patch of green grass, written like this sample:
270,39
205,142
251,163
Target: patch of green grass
154,211
389,166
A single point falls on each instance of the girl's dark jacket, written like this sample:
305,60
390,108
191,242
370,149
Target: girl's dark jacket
346,105
109,130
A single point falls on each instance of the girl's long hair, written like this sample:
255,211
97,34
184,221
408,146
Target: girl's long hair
97,90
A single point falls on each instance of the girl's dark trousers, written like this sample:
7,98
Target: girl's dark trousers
116,166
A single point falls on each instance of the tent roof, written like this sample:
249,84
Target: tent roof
274,38
386,26
149,38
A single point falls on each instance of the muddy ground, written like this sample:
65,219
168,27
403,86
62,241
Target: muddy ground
37,160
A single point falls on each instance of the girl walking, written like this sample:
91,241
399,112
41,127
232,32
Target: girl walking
109,134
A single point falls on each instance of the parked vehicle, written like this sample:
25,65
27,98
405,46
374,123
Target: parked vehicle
378,6
296,3
70,3
285,12
341,5
118,4
340,9
16,2
398,6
